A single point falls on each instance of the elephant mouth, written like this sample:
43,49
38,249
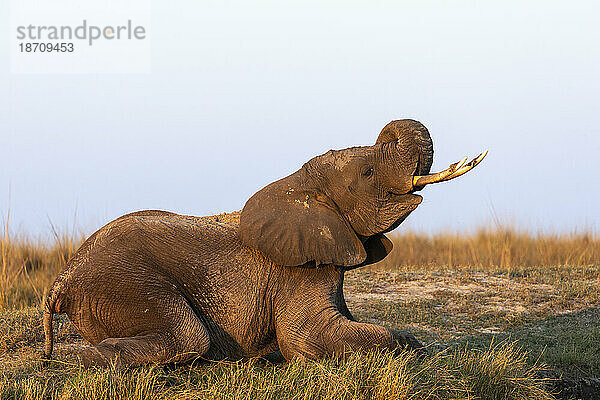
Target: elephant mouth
408,199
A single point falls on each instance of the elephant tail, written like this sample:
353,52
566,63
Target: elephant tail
51,306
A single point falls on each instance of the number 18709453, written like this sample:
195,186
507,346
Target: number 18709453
42,47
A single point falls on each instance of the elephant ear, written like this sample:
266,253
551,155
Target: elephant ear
296,226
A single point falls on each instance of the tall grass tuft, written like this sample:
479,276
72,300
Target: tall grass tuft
29,267
5,275
500,372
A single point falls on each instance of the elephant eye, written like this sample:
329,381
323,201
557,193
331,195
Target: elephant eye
368,172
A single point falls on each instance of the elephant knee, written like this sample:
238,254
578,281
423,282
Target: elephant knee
295,344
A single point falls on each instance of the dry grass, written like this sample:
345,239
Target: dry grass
28,266
446,304
458,292
490,249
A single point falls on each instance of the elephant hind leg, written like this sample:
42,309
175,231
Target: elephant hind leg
184,339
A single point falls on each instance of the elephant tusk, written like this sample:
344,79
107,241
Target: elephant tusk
469,166
421,180
453,171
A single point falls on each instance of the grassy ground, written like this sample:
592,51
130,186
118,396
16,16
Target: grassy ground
507,314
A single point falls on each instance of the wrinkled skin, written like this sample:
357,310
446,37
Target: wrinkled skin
154,286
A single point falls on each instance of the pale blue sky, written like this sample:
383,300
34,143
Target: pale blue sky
241,94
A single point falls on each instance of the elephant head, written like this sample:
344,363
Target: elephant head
335,209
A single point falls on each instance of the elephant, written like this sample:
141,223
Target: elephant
158,287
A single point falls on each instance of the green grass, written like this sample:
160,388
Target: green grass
498,372
570,343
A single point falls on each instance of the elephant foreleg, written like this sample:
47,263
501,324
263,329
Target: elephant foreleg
333,334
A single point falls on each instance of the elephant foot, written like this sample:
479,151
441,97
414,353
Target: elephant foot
406,341
138,350
98,356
